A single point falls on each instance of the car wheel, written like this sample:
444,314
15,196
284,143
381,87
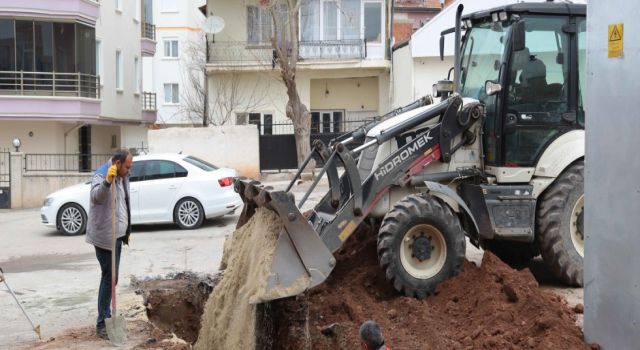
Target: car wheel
71,220
188,214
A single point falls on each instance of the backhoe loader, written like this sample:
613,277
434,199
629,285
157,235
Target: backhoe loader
499,159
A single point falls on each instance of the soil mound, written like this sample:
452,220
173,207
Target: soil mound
487,307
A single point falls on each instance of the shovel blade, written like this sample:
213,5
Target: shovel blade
116,329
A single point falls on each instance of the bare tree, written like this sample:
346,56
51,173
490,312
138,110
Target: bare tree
285,43
227,95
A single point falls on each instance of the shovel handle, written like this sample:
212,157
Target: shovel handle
113,246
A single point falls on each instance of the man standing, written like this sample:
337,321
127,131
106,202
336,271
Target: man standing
99,229
371,336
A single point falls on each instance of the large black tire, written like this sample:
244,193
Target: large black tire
188,213
71,220
419,222
516,254
562,246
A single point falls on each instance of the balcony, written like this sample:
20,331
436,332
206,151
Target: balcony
86,11
242,55
73,96
149,109
148,39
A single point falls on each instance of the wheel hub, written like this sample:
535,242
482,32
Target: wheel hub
421,248
581,224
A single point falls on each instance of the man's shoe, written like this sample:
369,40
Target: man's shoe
102,333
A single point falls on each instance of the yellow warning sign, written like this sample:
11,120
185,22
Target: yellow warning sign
616,39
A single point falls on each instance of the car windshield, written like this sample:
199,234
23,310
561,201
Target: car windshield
482,56
204,165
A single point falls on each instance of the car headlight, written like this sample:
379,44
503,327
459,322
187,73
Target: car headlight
47,202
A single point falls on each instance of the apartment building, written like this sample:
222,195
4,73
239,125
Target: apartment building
176,73
342,75
71,76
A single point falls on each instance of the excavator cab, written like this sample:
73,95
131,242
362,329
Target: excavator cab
532,52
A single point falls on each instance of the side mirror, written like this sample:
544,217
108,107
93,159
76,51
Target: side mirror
491,88
518,34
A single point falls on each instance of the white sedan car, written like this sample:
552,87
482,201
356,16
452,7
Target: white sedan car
165,188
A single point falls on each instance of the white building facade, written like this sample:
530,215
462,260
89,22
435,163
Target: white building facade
342,75
176,73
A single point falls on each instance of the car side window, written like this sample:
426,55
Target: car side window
180,171
163,169
136,174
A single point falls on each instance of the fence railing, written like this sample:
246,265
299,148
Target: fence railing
49,84
240,53
148,30
334,127
149,101
64,162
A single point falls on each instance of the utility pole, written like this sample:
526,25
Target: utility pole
205,113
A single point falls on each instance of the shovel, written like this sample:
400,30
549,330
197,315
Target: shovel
36,328
116,325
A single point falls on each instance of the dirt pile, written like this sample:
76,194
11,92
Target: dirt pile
229,318
492,307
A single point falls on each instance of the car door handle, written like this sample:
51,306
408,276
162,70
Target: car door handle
526,116
133,190
172,187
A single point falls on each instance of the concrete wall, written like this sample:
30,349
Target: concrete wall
427,71
350,93
28,190
612,193
402,77
47,136
231,146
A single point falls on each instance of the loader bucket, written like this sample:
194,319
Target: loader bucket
301,260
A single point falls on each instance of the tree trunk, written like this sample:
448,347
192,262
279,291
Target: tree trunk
301,119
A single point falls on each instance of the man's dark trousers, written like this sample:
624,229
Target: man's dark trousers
104,293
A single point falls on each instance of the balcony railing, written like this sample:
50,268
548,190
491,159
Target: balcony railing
332,49
149,101
49,84
148,30
238,53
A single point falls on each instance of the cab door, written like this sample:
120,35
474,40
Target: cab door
537,108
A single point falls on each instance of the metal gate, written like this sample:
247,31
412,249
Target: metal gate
5,179
278,151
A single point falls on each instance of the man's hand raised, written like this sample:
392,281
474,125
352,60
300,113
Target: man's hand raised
112,173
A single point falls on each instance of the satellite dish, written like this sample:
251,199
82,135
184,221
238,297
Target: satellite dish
213,25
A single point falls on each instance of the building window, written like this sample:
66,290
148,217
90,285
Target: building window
119,70
260,24
327,122
171,48
118,5
99,60
330,20
136,67
373,22
264,121
169,6
171,94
